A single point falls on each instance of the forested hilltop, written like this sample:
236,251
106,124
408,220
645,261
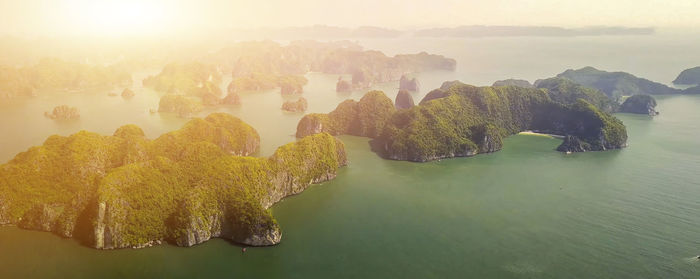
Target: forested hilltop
617,84
459,120
54,74
184,187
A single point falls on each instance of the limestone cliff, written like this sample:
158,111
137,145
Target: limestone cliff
185,187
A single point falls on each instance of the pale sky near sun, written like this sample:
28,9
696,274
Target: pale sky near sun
71,17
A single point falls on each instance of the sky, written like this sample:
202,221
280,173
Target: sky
129,17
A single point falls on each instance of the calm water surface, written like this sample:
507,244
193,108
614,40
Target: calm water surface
524,212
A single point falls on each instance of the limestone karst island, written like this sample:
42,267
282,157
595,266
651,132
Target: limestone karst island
349,139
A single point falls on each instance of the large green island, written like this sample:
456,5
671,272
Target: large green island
184,187
459,120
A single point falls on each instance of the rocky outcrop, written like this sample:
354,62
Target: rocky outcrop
63,112
404,100
127,93
409,84
640,104
183,106
365,118
573,144
514,82
299,105
343,86
688,77
231,99
4,217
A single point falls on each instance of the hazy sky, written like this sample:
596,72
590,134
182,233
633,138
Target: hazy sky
41,17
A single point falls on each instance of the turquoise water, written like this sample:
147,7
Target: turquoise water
524,212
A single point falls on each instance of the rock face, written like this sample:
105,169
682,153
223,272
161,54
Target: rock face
640,104
513,82
127,93
231,99
365,118
63,112
616,84
185,187
468,120
404,100
573,144
343,86
409,84
295,106
688,77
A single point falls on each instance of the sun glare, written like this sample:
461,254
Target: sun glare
118,17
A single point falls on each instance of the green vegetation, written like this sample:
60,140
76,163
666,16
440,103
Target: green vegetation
191,79
642,104
184,187
184,106
51,73
464,120
565,91
616,84
364,118
688,77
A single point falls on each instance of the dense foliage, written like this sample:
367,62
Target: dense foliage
565,91
51,73
616,84
364,118
182,105
185,187
464,120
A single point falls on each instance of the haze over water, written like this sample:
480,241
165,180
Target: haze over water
524,212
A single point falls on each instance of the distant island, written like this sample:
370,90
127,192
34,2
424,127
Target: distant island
617,84
192,79
57,74
185,187
63,112
183,106
529,31
295,106
462,120
513,82
266,65
688,77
